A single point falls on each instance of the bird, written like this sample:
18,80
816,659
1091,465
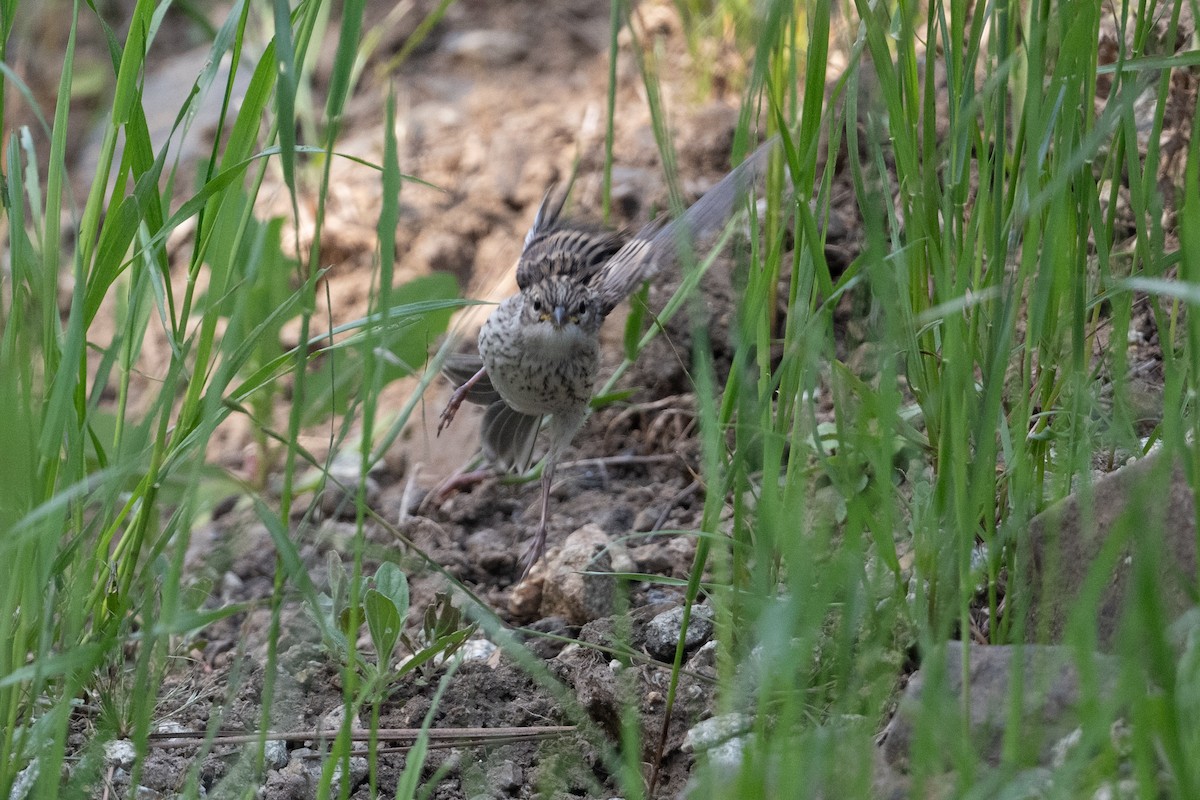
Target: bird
539,350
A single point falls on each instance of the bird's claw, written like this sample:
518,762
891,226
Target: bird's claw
447,415
535,552
456,400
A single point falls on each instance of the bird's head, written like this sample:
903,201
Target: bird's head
563,304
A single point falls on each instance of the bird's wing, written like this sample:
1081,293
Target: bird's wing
656,246
555,245
508,436
572,249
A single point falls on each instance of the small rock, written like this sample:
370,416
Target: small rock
662,632
570,593
25,781
525,599
728,755
275,754
704,660
358,773
480,650
505,776
295,779
722,742
119,753
231,585
171,727
331,723
646,518
487,48
886,782
715,730
1124,789
670,556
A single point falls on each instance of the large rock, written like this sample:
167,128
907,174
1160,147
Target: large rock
1151,507
1050,692
576,578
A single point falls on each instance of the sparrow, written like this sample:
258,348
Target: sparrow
539,350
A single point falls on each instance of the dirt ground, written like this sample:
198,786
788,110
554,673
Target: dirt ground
494,108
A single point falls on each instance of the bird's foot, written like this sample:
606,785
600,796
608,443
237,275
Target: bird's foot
451,409
456,400
535,552
538,548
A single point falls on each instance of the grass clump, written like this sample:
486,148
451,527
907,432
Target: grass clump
102,500
1009,210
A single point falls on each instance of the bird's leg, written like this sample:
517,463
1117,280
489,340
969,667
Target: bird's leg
457,398
538,548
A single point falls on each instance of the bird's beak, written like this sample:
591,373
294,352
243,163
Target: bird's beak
560,316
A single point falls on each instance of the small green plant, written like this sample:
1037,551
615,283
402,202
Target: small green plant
382,602
385,606
443,633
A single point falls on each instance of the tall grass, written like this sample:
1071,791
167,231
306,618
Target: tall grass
984,175
100,502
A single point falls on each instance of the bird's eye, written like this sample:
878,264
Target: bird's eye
579,309
537,304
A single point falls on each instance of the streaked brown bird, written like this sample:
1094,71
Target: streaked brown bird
539,351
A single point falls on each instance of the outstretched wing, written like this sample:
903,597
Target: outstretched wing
555,246
656,246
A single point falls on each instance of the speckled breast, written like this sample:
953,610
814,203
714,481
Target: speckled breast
535,370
